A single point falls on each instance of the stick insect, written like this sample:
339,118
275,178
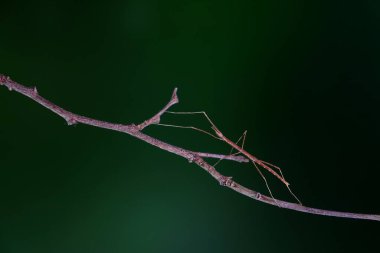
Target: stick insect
240,150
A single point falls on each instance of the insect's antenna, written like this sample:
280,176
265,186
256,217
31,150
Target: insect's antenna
266,183
190,127
287,186
242,146
199,112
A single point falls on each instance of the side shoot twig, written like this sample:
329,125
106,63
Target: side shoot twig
191,156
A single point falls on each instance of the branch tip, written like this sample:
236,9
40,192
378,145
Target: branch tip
157,117
175,99
3,79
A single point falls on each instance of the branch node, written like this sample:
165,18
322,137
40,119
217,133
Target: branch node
156,118
4,79
134,128
191,158
35,90
226,181
71,121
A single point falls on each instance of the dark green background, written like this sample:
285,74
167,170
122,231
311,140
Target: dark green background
301,76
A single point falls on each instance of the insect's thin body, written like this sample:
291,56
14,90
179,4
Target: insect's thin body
248,155
255,161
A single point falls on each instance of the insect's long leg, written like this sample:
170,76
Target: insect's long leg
276,167
266,183
236,153
203,131
287,186
189,127
294,196
243,136
209,120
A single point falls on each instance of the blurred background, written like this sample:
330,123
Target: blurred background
301,76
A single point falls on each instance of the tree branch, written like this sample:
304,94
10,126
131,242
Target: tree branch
196,157
156,118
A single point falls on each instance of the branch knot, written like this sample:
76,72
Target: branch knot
71,121
226,181
4,79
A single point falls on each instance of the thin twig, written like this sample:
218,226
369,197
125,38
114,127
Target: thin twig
134,130
157,118
237,158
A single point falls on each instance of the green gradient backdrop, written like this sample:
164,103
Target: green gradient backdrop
301,76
